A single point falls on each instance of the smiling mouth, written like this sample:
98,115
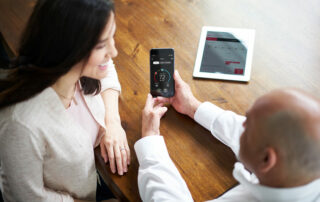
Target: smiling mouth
103,66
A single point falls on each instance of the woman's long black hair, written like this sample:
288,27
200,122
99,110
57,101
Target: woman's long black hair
58,35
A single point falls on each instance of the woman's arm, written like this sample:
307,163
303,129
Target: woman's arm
114,144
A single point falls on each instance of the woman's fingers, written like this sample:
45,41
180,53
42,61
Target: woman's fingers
124,159
111,159
104,153
128,153
118,159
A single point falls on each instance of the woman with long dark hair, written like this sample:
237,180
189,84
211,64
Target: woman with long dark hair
59,101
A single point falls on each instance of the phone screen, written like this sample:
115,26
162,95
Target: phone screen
161,72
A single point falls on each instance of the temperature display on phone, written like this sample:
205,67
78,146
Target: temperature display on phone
161,72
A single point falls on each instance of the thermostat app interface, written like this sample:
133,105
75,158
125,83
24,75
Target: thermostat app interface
223,53
161,72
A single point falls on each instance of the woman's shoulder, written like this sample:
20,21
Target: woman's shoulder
22,124
29,112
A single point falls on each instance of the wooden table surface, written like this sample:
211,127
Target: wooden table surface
286,54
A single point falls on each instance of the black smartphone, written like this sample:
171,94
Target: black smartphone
161,72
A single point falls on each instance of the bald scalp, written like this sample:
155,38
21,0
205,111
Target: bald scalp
298,149
289,121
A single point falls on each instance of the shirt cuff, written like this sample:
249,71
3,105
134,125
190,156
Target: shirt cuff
206,114
111,80
151,147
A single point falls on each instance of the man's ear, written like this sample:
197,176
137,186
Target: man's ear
268,161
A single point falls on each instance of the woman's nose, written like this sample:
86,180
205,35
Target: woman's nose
113,52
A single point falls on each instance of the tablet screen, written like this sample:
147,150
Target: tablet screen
223,53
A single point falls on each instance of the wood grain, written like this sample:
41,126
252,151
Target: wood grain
286,54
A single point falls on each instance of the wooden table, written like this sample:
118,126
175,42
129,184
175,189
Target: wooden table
286,53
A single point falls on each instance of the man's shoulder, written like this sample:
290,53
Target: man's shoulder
238,193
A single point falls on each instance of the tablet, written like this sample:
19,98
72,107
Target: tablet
224,53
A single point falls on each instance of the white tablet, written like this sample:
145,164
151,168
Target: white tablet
224,53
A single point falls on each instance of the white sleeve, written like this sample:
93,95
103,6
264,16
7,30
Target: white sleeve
226,126
111,80
21,154
158,178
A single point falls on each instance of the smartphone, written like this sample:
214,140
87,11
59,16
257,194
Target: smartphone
161,72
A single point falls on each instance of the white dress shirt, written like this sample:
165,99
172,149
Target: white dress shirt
159,179
45,155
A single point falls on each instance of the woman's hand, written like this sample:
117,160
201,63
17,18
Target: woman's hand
151,116
114,144
114,148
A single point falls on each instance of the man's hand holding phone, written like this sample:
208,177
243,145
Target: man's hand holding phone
183,101
167,83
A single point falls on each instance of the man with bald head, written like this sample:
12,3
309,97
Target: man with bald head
281,143
277,144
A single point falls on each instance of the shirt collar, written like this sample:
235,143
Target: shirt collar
308,192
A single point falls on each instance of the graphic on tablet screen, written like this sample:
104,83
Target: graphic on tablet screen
223,53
